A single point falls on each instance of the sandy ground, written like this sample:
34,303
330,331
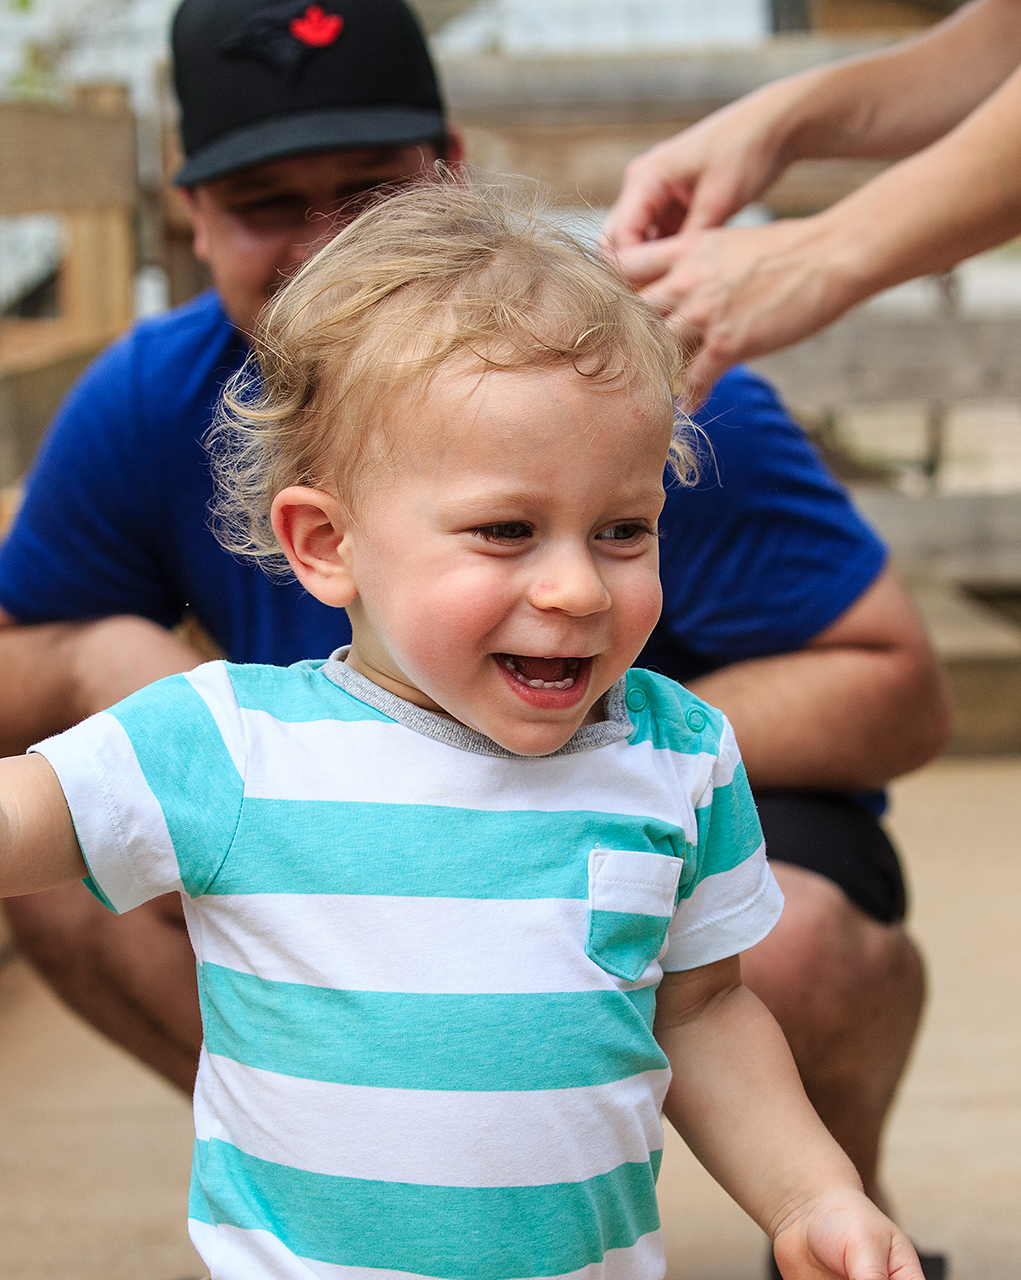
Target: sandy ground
94,1160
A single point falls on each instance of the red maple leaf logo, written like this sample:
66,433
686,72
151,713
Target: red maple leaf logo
316,27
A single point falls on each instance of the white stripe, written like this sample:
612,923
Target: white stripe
431,1137
212,683
723,767
117,819
726,914
232,1253
364,942
383,763
633,882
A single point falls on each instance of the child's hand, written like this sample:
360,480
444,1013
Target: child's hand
842,1233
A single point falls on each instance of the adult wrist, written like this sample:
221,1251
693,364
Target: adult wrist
850,261
804,118
827,114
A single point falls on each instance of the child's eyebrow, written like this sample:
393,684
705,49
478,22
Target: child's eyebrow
481,503
482,500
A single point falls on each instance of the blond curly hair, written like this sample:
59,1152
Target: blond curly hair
452,271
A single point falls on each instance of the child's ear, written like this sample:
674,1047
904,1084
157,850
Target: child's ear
314,531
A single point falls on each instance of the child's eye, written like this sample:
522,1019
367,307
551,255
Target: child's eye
627,532
510,531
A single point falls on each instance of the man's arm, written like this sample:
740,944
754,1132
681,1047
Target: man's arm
55,674
860,704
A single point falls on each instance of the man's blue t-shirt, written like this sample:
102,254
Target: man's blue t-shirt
763,554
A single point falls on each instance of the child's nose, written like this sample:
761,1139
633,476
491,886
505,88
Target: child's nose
571,583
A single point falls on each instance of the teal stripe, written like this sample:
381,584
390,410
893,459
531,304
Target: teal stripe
664,713
97,892
645,1002
399,1040
198,1205
456,1233
427,851
189,770
625,942
298,693
728,828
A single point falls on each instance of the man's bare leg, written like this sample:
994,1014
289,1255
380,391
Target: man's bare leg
132,976
848,993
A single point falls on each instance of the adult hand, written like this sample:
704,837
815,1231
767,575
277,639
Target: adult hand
733,293
706,173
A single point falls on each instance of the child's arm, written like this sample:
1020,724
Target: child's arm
38,845
737,1101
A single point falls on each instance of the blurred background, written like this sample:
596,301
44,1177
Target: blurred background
914,399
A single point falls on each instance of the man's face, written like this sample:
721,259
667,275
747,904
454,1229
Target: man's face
256,227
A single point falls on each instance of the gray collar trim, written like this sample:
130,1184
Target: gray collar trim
615,728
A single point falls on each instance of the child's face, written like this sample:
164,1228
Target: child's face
508,574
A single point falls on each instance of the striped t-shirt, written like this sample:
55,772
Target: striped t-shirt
427,966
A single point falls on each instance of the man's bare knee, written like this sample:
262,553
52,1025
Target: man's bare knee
65,933
57,931
828,966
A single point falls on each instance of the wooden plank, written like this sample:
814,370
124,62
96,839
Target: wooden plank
864,360
54,159
811,185
901,16
583,162
29,395
97,274
492,91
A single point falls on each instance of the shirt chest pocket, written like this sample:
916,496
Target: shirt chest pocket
631,903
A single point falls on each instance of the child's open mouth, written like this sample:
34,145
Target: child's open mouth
550,684
542,673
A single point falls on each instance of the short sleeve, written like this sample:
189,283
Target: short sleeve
766,550
732,900
155,787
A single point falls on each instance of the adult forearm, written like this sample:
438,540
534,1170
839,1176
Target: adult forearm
54,675
926,214
740,292
891,103
832,719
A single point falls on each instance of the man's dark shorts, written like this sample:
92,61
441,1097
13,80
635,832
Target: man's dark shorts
839,839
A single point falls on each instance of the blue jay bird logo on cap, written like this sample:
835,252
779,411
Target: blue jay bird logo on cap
283,36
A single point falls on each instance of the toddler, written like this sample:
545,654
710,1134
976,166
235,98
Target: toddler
466,897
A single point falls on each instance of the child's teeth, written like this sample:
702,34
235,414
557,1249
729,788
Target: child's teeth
566,683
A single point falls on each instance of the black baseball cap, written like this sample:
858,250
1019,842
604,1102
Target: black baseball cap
260,81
